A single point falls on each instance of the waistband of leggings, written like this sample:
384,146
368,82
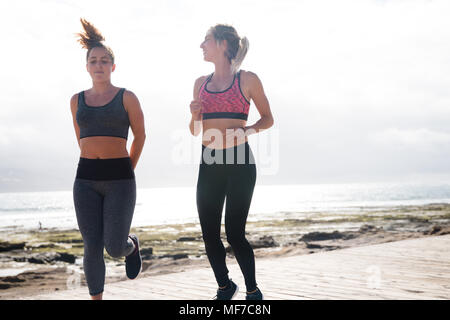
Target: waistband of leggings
239,154
105,169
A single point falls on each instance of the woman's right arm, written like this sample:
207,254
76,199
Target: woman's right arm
74,108
196,121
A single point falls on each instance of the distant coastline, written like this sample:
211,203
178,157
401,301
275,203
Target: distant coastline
30,211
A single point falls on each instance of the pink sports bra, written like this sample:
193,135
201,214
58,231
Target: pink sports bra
229,103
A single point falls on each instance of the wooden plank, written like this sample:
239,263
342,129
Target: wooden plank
410,269
358,279
336,284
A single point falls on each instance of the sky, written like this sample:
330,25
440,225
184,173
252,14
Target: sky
359,89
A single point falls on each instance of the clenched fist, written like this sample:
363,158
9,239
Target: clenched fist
196,108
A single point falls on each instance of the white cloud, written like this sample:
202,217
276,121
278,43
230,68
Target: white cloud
337,74
16,135
412,138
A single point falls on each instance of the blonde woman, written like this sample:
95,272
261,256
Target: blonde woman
227,170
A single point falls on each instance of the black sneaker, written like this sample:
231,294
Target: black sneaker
229,293
255,295
133,262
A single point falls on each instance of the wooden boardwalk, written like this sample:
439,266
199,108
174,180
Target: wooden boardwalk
407,269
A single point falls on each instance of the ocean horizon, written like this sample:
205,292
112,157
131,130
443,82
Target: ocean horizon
174,205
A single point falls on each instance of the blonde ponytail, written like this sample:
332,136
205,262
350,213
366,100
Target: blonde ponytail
240,55
237,47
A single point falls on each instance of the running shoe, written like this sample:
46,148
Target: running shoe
255,295
228,293
133,262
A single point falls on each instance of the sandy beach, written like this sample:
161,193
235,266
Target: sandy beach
39,261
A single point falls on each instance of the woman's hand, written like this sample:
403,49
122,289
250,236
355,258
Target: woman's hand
196,108
233,133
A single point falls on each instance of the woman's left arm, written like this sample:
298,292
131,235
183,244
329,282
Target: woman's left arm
136,117
256,92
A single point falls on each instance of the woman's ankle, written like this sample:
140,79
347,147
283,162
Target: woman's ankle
97,297
226,286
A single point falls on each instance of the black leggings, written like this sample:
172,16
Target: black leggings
234,179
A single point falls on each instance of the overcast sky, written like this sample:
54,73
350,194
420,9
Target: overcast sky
359,89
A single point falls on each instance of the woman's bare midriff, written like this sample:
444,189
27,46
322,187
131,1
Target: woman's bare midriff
211,128
103,147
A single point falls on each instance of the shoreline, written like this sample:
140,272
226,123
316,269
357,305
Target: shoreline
54,256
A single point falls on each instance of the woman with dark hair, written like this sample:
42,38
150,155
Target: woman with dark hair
104,190
227,170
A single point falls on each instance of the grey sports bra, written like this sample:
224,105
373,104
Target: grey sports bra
108,120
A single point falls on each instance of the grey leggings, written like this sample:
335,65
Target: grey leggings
104,210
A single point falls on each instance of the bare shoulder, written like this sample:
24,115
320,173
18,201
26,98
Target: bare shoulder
128,94
198,83
74,102
202,78
250,84
249,77
74,98
130,100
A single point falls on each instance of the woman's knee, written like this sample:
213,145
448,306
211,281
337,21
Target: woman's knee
236,239
211,238
115,249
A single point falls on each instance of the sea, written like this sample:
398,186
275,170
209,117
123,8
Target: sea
175,205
